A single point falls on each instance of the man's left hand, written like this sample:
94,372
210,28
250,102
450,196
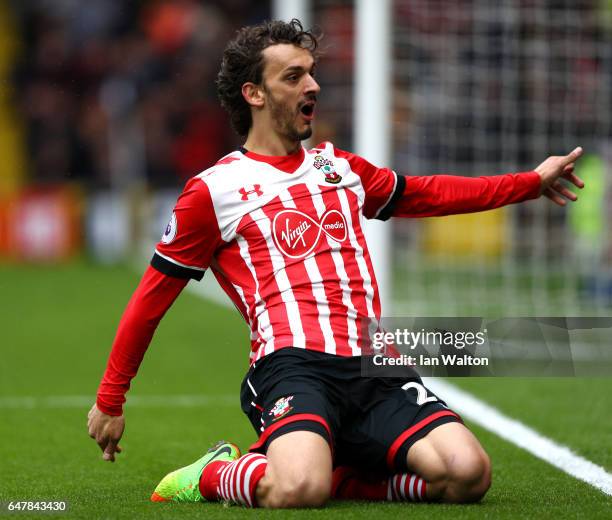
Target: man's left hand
552,170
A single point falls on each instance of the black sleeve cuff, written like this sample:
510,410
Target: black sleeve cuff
177,271
387,211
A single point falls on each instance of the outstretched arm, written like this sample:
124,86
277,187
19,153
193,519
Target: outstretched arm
153,297
439,195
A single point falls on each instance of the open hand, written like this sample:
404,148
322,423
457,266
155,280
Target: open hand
552,170
106,430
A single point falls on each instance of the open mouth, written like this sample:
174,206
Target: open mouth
308,110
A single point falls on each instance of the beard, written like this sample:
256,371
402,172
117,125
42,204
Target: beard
285,118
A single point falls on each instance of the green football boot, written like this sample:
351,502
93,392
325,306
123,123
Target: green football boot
182,485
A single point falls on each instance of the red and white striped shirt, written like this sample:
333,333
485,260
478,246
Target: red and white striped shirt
284,238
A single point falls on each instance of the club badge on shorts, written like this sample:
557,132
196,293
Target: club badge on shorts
327,167
281,408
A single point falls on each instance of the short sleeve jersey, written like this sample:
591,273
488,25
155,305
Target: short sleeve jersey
284,238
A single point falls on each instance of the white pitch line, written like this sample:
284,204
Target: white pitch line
521,435
134,401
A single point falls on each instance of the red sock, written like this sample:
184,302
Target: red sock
234,481
350,484
209,480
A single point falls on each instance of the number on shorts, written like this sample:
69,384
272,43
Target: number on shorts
421,393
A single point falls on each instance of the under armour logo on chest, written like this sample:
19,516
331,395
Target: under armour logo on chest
248,194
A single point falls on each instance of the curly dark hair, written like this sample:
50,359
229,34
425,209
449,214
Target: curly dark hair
243,62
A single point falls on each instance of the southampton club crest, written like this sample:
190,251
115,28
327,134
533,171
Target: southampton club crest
327,167
281,408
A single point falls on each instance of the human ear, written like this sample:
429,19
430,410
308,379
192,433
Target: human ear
253,94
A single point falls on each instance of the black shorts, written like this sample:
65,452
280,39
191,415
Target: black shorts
369,422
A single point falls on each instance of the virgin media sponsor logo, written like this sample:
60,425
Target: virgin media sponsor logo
297,234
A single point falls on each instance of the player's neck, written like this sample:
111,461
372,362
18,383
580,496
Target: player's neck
270,144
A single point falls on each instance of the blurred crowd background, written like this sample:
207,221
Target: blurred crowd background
113,91
107,107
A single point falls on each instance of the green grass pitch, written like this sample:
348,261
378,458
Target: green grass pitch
57,324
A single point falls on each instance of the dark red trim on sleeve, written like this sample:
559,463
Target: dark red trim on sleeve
287,420
152,298
178,271
386,212
397,443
